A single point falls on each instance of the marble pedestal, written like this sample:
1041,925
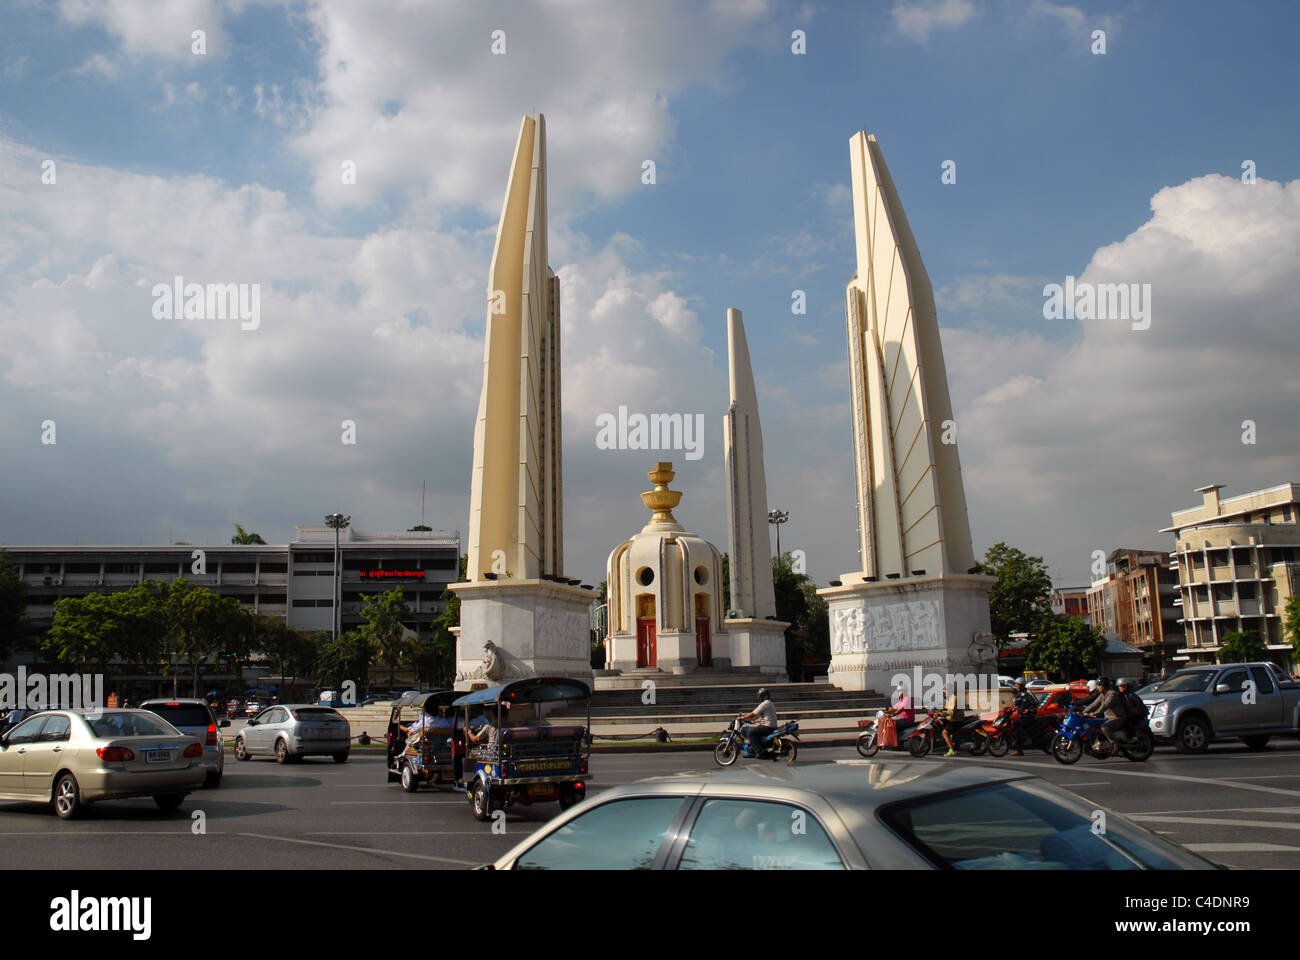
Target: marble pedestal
538,628
758,643
883,629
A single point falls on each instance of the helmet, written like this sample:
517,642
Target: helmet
1123,682
1103,682
763,693
1092,686
1020,681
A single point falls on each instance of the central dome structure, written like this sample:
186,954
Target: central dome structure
665,592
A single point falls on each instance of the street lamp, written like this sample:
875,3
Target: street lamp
776,518
338,522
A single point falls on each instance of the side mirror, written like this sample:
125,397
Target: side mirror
252,722
224,723
1222,688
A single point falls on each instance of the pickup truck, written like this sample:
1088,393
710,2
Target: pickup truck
1200,704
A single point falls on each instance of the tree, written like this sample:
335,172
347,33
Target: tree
422,528
14,625
383,614
1242,647
243,536
200,624
808,636
443,656
291,649
347,657
1021,599
1066,647
1291,622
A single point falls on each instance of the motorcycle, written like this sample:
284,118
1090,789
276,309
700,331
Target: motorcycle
868,746
1079,733
1040,733
780,744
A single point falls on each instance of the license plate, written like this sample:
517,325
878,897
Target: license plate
540,788
157,756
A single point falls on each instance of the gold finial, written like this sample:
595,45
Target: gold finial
662,500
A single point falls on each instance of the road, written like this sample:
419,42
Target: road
1233,805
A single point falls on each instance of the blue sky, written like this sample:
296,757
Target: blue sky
1072,438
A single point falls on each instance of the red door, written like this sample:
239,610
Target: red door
703,643
646,655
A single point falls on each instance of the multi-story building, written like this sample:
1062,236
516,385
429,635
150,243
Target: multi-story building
1137,603
293,581
1070,601
1237,561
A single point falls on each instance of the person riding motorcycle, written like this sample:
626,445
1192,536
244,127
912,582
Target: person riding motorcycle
765,714
1137,710
1110,704
1025,706
945,718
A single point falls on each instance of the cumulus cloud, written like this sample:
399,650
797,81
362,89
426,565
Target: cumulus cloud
154,28
916,20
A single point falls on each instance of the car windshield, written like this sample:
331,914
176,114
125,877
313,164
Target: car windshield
1029,825
1188,681
130,724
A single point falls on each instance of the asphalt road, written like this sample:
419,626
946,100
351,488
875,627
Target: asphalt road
1233,805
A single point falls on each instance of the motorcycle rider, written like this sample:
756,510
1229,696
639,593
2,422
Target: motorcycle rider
1026,708
1109,703
902,711
765,714
1137,710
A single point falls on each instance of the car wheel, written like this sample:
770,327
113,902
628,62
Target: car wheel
1258,742
212,780
241,752
867,745
167,802
479,800
1193,736
409,781
281,752
67,797
341,757
997,745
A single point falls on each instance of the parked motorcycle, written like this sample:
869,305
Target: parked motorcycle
781,744
1078,733
868,745
1040,733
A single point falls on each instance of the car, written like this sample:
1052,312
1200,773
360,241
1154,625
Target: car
1005,681
72,758
251,708
845,814
194,718
291,731
1220,701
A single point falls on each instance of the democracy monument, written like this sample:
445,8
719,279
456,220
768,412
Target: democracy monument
916,600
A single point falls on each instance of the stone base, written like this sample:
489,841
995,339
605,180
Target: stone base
758,643
883,629
539,628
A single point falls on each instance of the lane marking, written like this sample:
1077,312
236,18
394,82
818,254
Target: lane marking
398,833
340,803
1212,821
1086,783
344,846
1199,810
1240,848
1271,776
1203,781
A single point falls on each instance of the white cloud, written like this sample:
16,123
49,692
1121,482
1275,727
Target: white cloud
152,28
917,19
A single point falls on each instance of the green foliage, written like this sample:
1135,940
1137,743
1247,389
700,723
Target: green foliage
383,614
346,658
243,536
14,627
293,650
807,639
1066,647
1291,622
1242,647
442,658
1021,599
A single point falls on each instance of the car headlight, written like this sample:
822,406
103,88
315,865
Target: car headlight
1159,709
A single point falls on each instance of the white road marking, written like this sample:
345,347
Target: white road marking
1087,783
1212,821
406,802
1198,811
1240,848
1204,781
344,846
1271,776
416,833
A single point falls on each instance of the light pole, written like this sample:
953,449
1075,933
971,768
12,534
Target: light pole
776,518
338,522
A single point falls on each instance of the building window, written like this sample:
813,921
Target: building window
237,567
271,599
313,558
275,568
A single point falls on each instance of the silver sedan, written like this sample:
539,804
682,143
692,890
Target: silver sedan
853,814
295,730
70,758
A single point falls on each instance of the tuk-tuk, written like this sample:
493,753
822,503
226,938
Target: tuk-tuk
524,757
425,757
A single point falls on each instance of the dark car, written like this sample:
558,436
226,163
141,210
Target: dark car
194,718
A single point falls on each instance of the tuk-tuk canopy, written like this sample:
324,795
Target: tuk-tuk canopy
532,690
430,699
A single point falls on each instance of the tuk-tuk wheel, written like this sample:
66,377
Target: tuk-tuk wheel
409,782
480,801
569,796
